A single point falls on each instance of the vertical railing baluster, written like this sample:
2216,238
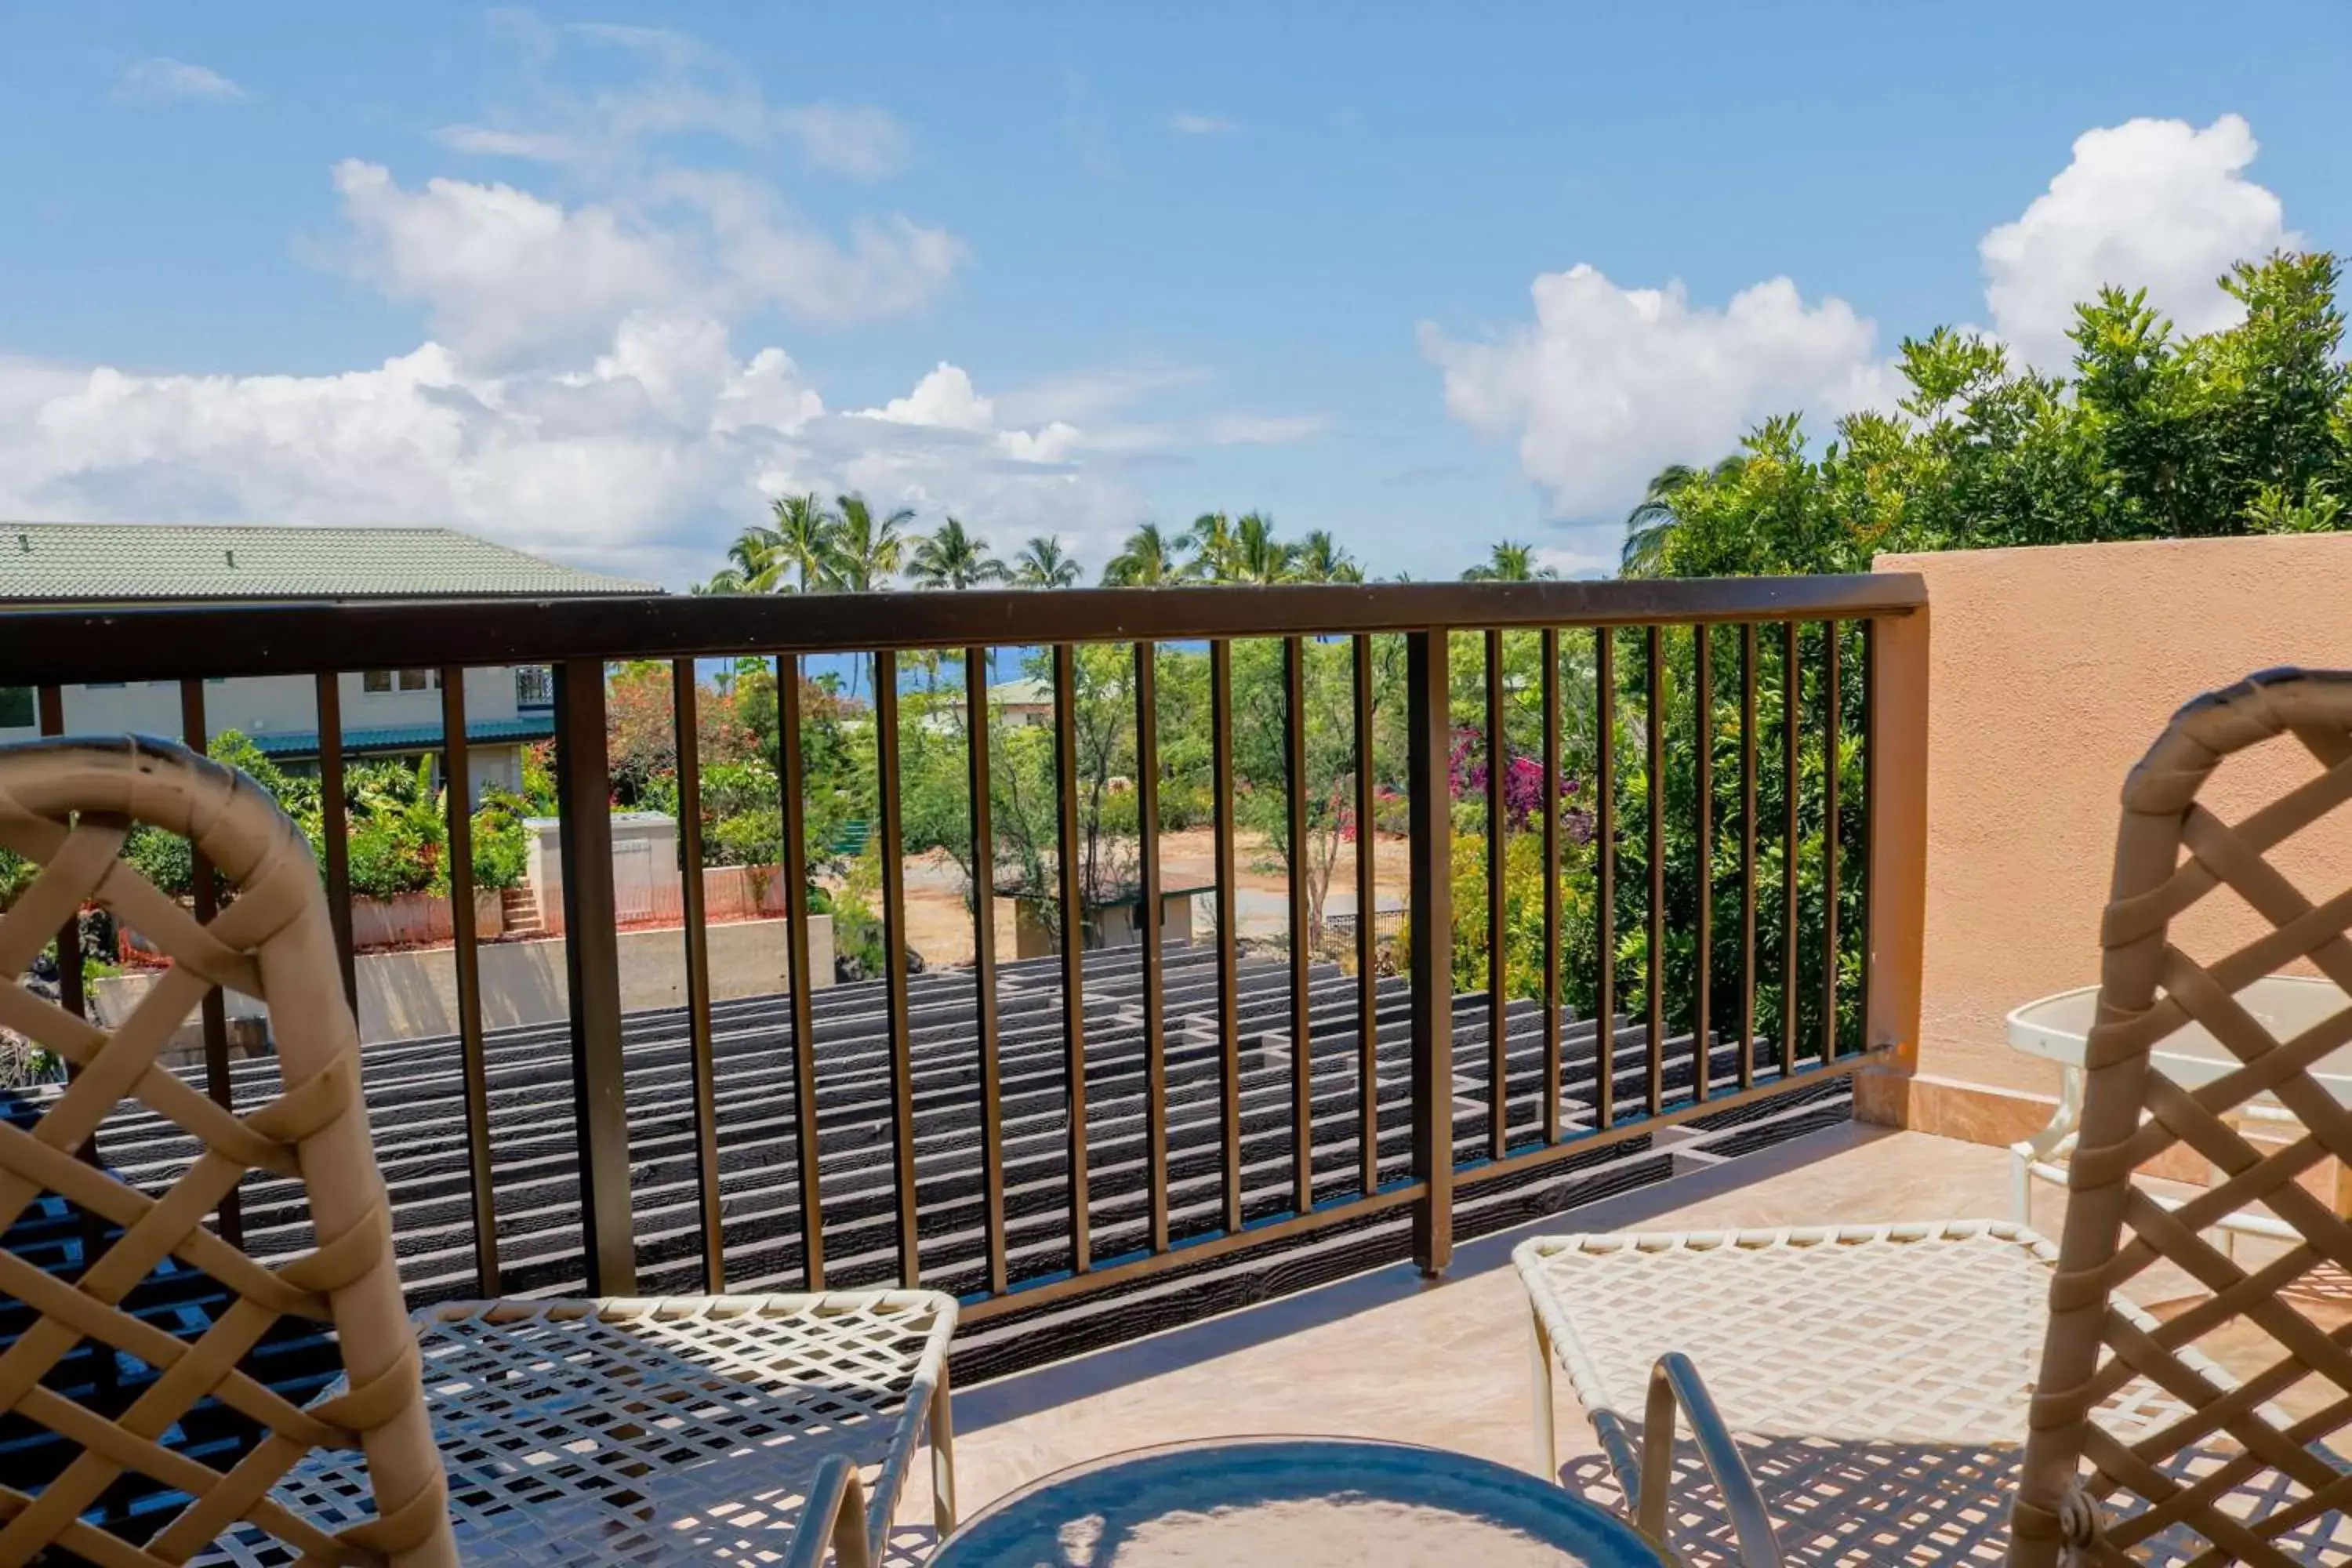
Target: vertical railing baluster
1229,1024
1074,972
1654,987
1498,972
1604,855
894,965
1302,1044
206,900
1749,976
1702,995
1551,956
1154,960
1832,719
793,855
1429,738
701,1054
983,961
72,995
72,975
464,950
334,832
1792,689
1869,824
593,977
51,703
1368,935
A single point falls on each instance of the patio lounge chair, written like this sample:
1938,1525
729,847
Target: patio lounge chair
691,1429
1965,1391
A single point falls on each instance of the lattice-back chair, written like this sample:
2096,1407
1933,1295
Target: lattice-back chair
68,807
2246,1468
672,1429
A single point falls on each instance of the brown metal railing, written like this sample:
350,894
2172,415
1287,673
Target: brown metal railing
1115,1202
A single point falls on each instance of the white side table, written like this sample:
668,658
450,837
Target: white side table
2057,1028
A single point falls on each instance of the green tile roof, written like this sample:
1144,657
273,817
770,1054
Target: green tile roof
52,562
291,743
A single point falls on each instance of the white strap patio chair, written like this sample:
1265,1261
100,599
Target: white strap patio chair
1966,1392
696,1429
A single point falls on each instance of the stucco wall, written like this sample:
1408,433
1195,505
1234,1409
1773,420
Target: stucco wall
2050,670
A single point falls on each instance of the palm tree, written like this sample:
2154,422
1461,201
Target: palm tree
1650,527
754,566
1041,564
1258,557
952,558
1509,561
805,538
1210,540
867,550
1148,560
1318,560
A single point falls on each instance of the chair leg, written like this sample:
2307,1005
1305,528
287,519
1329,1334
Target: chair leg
1539,1367
943,1493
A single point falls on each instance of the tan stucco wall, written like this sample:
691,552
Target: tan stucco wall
2050,670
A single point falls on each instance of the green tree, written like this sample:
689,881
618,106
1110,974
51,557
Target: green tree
1328,764
1210,541
2245,429
953,558
1148,560
867,550
807,539
1259,556
1320,558
1652,520
1042,563
1508,562
754,564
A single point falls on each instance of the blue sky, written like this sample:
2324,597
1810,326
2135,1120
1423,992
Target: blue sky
596,281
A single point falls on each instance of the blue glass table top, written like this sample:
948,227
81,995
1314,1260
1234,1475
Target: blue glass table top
1295,1502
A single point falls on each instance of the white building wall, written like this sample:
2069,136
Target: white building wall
273,705
260,705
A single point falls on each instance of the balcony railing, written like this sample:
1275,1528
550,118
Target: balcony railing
1030,1133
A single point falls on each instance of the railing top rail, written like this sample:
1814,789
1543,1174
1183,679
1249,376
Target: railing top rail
40,646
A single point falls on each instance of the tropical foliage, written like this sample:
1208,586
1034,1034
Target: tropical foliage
2154,435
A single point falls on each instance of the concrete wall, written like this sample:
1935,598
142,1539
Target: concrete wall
2050,670
406,995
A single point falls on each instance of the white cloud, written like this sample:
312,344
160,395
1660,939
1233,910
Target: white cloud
579,394
763,252
854,139
944,398
1570,562
643,458
500,270
1608,384
160,79
1188,124
681,87
503,273
2151,204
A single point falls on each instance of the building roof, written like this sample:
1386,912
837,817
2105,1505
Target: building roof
1023,692
114,561
397,738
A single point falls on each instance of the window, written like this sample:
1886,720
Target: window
535,686
15,706
400,681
